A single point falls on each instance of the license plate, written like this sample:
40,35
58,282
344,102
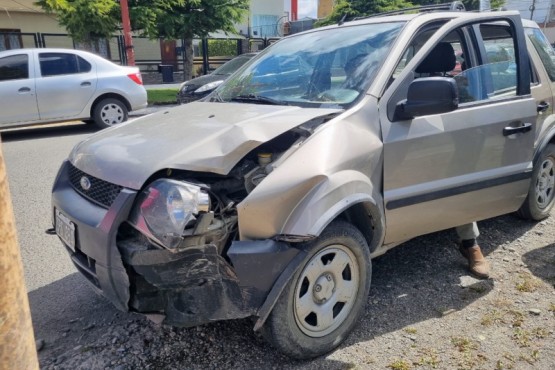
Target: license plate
65,230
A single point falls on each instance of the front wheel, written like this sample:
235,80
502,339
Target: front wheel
325,298
109,112
540,199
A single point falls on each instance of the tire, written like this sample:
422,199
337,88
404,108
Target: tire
109,112
540,198
332,283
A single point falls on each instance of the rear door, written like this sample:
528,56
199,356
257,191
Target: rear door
473,163
18,101
66,85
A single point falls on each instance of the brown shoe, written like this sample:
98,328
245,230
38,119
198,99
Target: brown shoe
477,263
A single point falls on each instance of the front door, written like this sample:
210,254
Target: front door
18,102
66,85
449,169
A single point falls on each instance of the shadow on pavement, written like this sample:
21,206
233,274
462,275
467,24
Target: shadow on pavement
541,263
42,132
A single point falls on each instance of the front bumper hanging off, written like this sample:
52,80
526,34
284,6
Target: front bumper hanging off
187,288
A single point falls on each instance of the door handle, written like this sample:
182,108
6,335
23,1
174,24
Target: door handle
543,106
86,83
24,90
509,130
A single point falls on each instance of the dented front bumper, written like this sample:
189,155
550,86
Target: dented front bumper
187,288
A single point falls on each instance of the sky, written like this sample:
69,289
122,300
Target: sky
307,8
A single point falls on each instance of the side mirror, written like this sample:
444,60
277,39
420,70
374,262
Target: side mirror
429,95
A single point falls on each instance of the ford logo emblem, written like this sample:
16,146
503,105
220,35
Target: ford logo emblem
85,183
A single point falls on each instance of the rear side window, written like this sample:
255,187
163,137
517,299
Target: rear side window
544,49
14,67
56,64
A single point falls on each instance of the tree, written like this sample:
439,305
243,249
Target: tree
85,20
175,19
468,4
358,8
168,19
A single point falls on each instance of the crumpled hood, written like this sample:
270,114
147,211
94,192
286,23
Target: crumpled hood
200,136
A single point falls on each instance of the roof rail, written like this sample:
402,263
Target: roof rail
454,6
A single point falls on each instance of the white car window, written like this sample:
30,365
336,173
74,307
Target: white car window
55,64
14,67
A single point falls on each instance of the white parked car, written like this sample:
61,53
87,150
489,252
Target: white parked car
50,85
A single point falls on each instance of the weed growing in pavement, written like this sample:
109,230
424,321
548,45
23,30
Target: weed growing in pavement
514,317
528,283
493,317
399,365
532,358
429,357
411,330
463,344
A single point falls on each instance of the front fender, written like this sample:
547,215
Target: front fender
330,198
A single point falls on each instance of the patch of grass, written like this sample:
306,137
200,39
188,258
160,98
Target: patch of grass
493,317
463,344
528,284
400,365
514,317
532,358
429,357
411,330
162,96
522,337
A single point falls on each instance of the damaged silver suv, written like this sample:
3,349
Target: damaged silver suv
270,197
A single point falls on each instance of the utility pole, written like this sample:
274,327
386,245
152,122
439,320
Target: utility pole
17,343
129,51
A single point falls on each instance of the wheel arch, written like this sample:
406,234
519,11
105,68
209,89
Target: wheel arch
109,96
348,195
548,138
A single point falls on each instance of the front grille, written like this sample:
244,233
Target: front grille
101,192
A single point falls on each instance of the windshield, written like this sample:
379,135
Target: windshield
328,68
233,65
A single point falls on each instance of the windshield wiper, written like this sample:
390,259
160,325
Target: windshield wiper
251,98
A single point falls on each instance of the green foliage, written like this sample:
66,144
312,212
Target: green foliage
469,4
218,48
175,19
162,96
359,8
85,19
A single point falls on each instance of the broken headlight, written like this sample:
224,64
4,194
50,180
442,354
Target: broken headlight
166,207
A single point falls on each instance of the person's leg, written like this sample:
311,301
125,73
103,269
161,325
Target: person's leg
469,248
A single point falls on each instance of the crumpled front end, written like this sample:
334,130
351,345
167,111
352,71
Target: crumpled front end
207,275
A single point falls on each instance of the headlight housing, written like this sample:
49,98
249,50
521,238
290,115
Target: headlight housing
208,86
165,208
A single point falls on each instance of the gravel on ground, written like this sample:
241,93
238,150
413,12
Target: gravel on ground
424,312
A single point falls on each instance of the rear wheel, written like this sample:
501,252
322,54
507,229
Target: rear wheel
109,112
540,199
323,301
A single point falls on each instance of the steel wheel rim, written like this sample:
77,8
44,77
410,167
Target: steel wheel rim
545,183
326,291
112,114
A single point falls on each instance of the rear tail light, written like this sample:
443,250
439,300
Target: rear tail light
136,77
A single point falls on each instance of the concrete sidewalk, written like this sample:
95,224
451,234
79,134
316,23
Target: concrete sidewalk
163,86
150,109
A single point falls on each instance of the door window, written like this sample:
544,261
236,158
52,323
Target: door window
56,64
14,67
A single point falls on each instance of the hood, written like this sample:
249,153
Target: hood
200,136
